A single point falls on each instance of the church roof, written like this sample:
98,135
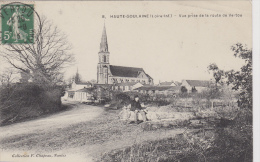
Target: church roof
123,71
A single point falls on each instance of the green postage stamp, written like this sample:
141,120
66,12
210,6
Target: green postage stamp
17,23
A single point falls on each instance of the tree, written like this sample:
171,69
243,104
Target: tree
45,58
184,89
237,137
217,73
240,81
193,90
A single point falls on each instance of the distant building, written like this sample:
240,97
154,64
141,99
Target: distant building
80,85
165,90
126,86
199,85
172,83
84,95
111,74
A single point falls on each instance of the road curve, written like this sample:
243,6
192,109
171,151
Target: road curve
77,114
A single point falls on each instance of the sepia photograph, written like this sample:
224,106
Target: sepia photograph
128,81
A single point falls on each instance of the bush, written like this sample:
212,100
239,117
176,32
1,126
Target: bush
233,144
22,101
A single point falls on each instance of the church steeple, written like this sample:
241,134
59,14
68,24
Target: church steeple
103,64
103,44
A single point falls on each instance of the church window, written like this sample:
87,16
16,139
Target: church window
104,59
105,69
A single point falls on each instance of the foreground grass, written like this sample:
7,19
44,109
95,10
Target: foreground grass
207,146
179,148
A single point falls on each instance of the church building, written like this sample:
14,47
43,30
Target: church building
111,74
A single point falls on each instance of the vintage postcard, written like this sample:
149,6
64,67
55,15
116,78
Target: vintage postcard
130,81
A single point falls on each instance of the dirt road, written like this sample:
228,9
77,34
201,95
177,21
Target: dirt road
79,113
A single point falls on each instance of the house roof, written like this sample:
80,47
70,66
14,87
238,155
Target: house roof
83,83
166,83
123,71
199,83
159,88
148,76
127,83
85,90
177,83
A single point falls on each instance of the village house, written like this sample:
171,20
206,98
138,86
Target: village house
199,85
76,87
80,85
111,74
172,83
153,90
126,86
84,95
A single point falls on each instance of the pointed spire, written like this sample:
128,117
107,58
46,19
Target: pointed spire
103,44
77,76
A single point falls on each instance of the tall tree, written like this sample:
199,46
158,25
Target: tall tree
240,80
45,58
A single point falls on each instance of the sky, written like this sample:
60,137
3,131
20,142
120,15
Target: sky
174,48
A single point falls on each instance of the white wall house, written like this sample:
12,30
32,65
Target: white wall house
124,87
80,85
84,95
